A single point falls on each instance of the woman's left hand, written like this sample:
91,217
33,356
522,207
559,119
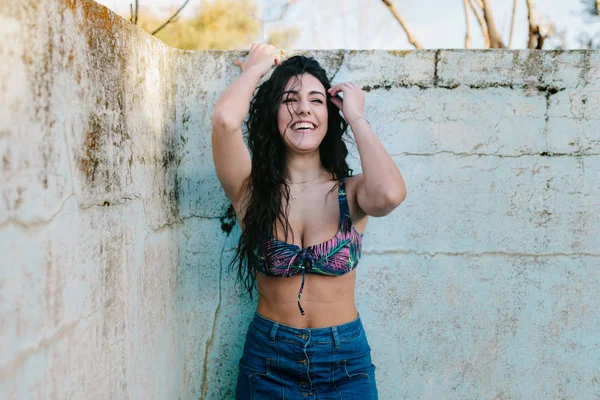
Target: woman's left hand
353,105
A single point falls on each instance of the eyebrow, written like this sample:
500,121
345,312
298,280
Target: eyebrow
310,93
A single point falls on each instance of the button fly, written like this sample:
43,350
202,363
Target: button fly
305,336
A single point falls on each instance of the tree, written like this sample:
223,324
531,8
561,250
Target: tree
403,24
592,11
282,37
592,7
482,10
216,25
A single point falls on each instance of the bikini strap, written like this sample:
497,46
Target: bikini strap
345,222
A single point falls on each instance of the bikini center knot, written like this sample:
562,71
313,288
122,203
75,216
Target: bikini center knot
307,259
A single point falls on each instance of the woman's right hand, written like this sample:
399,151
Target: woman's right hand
260,58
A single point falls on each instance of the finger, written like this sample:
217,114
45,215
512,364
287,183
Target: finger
252,46
276,53
337,102
355,86
340,87
334,90
238,63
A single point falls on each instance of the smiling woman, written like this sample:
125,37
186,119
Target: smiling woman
303,93
306,337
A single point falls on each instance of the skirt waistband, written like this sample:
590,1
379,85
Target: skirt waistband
332,334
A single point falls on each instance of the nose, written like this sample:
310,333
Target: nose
303,107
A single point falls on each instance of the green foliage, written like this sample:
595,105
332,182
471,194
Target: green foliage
216,25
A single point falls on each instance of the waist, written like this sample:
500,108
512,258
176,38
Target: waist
330,334
327,300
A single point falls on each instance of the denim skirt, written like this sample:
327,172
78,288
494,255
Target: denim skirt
282,362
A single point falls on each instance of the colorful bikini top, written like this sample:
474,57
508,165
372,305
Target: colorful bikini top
337,256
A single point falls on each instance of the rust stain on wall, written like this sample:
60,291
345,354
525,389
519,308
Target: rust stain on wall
400,53
92,148
53,287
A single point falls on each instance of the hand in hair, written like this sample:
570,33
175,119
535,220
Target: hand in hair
261,58
353,103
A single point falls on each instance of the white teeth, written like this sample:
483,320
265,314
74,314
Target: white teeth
300,125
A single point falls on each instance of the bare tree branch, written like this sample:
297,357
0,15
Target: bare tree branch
484,31
536,35
167,22
534,30
512,24
468,33
403,24
134,12
495,38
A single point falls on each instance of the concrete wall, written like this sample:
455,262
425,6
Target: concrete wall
114,231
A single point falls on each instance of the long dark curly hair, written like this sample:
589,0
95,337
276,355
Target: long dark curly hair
267,185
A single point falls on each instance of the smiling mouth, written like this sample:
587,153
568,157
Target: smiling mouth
304,127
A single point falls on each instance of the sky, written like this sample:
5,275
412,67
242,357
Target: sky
368,24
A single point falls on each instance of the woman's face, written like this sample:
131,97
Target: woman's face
302,116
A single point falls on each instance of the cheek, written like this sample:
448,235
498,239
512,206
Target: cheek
282,121
284,116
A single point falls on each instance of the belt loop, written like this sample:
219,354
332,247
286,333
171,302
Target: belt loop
336,336
274,328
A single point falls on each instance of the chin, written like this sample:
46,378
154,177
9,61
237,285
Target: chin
306,145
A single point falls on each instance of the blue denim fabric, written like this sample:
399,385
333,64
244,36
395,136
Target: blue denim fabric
282,362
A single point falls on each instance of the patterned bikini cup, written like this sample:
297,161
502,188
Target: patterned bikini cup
337,256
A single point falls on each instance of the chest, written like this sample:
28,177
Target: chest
313,215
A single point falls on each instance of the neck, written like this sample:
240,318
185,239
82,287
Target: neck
303,167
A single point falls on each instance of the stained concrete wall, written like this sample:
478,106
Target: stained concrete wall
115,237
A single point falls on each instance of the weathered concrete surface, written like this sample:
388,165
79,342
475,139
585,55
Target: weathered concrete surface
113,228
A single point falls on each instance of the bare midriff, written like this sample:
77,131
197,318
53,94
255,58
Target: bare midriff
327,300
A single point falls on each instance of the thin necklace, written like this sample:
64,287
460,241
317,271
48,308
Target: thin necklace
294,197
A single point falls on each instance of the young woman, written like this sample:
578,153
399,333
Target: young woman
302,216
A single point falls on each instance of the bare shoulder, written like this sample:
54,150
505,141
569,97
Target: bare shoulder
358,216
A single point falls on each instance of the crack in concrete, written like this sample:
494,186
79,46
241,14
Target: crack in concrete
343,53
44,343
460,154
548,91
478,254
551,90
436,62
106,203
179,221
22,356
210,340
35,222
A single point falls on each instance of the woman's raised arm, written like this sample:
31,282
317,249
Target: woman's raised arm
230,154
380,188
